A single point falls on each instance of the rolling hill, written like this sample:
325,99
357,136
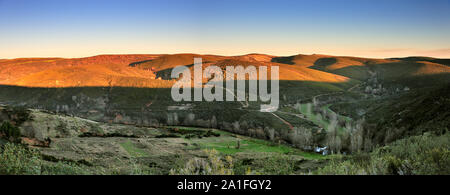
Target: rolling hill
103,70
423,70
142,70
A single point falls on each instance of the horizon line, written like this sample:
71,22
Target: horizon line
189,53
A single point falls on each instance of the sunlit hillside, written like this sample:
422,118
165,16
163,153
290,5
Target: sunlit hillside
103,70
144,70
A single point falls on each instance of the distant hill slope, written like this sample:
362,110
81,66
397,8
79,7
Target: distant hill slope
163,65
422,70
170,61
103,70
141,70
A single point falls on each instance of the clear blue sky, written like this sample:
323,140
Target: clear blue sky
77,28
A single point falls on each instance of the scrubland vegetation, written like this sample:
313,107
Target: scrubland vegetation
417,155
16,159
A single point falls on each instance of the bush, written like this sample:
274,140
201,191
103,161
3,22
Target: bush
63,168
278,165
18,160
18,115
10,131
213,165
417,155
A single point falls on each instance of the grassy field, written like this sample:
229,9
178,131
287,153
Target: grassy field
133,150
231,144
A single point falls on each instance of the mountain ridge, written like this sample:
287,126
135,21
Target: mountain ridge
142,70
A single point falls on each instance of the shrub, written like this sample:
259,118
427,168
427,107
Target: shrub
16,159
417,155
278,165
18,114
63,168
213,165
10,131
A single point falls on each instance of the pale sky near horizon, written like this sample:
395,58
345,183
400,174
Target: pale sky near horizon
366,28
